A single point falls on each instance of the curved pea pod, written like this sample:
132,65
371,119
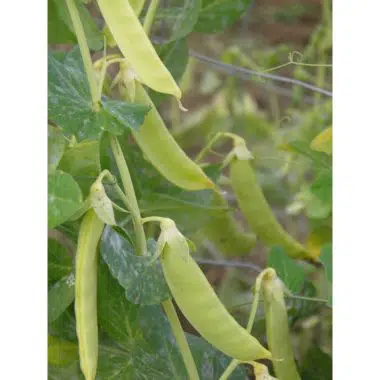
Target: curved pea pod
225,233
136,46
85,293
278,335
255,207
198,301
160,148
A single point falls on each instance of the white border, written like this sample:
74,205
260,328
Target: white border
23,186
356,189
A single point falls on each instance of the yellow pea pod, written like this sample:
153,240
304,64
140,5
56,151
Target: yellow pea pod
136,46
198,301
256,209
85,293
277,328
160,148
225,233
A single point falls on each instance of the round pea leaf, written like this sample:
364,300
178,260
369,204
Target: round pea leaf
290,272
83,163
179,18
61,352
64,198
217,15
142,279
56,147
60,297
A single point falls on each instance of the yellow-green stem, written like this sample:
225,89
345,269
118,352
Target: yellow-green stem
149,18
231,367
234,363
217,137
130,194
85,52
181,339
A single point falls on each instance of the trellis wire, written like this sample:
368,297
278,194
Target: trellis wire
229,263
248,74
245,73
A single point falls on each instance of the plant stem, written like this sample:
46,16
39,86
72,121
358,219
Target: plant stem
218,136
158,219
181,339
130,195
234,363
231,367
256,298
85,51
149,18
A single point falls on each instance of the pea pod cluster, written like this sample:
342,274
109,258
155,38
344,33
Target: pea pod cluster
90,233
198,301
136,47
278,335
160,148
255,207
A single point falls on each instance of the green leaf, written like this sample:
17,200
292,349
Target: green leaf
317,365
70,102
64,198
320,160
303,308
61,352
217,15
142,279
146,344
315,207
323,141
210,362
58,31
179,20
60,17
69,372
130,115
322,186
56,147
190,210
82,161
64,326
59,261
60,297
291,273
175,56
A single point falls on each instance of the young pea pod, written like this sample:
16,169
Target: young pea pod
225,233
198,301
278,334
160,148
255,207
136,46
101,204
85,293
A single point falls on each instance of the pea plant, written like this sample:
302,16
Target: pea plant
163,170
